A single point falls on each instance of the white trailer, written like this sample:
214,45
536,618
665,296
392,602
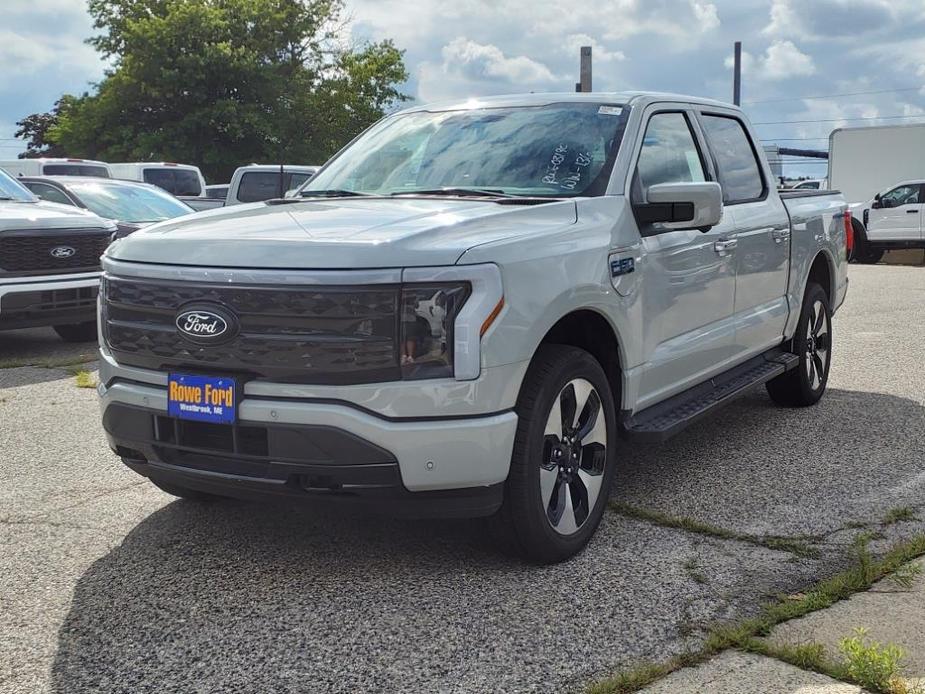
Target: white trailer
870,160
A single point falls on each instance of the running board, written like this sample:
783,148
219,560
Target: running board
665,419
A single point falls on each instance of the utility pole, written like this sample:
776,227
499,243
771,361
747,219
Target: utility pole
584,71
737,75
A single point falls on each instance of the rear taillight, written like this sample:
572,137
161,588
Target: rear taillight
849,233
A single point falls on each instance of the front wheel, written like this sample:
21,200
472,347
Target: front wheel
812,343
77,332
562,464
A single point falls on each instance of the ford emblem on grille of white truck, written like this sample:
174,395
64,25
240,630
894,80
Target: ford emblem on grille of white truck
206,325
61,252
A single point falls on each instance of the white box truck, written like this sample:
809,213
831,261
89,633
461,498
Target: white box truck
879,170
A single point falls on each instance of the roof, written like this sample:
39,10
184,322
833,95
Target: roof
541,98
167,164
289,168
69,180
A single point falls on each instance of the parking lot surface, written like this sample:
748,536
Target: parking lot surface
112,586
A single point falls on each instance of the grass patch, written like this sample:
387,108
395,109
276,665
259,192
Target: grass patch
84,379
797,546
902,514
905,576
745,634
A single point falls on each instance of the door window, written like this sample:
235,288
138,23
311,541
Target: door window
739,172
49,193
175,181
669,154
901,195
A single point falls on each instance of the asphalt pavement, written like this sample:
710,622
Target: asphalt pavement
113,586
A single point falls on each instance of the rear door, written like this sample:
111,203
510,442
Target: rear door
898,216
689,282
762,233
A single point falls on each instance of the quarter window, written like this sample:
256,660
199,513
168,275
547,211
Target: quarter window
669,154
739,172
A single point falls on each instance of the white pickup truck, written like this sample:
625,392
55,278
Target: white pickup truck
891,221
464,310
49,263
256,183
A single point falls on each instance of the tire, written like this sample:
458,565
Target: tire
868,256
77,332
185,492
804,385
551,508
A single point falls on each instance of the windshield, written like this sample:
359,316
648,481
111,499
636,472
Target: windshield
556,150
11,189
129,203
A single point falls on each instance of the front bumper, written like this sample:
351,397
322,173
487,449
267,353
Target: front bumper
311,448
43,301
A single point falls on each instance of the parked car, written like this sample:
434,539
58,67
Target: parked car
892,220
132,205
463,311
56,167
811,184
217,192
182,180
49,263
258,182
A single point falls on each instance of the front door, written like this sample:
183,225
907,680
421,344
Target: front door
898,215
689,280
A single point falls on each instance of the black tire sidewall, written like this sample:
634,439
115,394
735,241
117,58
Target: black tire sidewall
553,368
813,293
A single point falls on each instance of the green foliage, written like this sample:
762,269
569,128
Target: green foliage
871,665
905,576
34,130
220,83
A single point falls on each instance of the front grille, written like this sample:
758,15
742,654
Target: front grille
323,335
31,252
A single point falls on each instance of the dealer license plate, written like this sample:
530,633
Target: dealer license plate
201,398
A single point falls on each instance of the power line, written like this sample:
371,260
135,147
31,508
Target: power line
837,120
833,96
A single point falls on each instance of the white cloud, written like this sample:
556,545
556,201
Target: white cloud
781,60
573,42
784,21
706,14
486,60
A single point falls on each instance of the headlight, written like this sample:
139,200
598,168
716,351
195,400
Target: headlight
468,315
428,318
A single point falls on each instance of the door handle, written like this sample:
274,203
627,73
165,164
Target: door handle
780,235
725,246
912,211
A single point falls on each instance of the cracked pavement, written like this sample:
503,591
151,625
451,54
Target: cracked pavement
113,586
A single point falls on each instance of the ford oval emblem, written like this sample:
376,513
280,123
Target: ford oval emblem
62,252
206,324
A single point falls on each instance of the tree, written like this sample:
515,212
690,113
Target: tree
34,129
220,83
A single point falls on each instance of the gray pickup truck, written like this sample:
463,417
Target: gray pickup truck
465,308
49,263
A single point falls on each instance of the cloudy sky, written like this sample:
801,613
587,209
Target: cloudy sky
798,53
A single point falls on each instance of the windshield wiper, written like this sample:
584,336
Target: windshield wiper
332,193
458,192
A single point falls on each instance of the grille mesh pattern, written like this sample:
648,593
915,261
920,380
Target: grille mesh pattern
334,334
29,253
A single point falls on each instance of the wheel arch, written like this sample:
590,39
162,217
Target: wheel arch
822,272
590,330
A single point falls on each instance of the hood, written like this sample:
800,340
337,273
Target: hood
48,215
338,234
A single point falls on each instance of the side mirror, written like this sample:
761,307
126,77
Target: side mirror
681,206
